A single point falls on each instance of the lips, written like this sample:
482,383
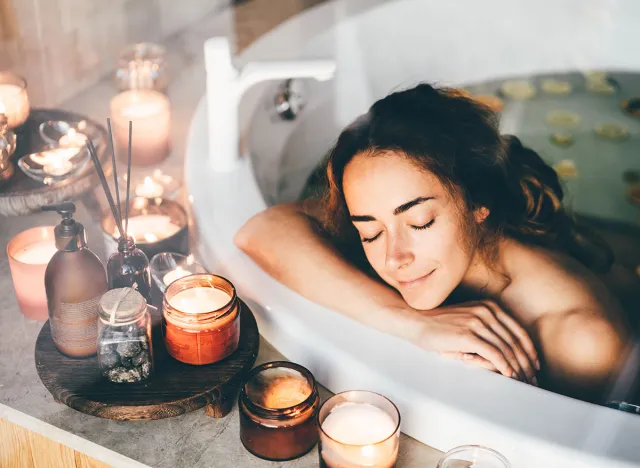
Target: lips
415,282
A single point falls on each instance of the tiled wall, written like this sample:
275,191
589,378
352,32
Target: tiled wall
64,46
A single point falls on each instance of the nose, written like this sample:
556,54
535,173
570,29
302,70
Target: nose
399,252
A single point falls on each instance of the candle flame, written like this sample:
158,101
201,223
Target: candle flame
150,237
190,260
71,133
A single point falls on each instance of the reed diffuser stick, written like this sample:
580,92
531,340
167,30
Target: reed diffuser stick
126,206
115,171
105,184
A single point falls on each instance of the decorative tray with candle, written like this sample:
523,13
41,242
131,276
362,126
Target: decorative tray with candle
44,170
175,388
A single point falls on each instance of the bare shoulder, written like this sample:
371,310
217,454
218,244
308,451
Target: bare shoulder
572,317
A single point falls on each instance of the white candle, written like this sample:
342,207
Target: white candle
199,300
47,158
58,167
151,116
174,275
14,103
364,429
38,253
149,189
72,139
279,387
149,228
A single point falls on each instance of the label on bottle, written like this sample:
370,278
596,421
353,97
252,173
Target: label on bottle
75,327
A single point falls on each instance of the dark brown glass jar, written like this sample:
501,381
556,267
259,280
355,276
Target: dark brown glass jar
279,411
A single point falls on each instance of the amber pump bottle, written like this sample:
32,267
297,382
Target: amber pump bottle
74,280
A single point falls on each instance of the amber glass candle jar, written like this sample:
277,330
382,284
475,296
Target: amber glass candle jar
201,319
279,411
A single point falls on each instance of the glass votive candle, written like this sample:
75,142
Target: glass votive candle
156,225
167,267
279,411
142,66
150,113
29,253
14,101
201,319
358,428
475,456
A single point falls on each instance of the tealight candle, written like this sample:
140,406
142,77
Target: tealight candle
14,101
72,139
151,116
29,253
278,411
149,189
201,319
156,224
358,429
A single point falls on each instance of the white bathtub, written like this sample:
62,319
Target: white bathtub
382,45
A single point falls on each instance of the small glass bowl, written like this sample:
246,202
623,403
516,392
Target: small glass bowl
142,66
53,131
166,267
55,165
473,456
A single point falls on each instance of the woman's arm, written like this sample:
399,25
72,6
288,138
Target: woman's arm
285,241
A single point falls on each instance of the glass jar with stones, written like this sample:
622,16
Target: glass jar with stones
125,353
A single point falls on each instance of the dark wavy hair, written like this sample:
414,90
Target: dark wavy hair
457,139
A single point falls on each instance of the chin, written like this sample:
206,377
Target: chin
428,300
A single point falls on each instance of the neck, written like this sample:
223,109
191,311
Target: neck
487,278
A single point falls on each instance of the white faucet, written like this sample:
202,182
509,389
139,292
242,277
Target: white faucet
226,85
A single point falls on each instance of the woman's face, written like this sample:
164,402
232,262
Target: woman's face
412,231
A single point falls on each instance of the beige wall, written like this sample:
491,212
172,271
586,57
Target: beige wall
64,46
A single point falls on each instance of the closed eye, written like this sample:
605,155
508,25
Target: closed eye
371,239
424,226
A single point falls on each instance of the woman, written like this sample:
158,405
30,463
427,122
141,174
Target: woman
426,199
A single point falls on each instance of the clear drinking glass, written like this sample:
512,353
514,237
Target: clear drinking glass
473,456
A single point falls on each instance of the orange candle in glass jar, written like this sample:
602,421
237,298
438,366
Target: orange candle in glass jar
201,319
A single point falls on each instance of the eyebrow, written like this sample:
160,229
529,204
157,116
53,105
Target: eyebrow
399,210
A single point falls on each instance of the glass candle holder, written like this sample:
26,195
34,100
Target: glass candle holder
474,456
358,428
279,406
29,253
156,225
201,319
167,267
14,101
150,113
142,66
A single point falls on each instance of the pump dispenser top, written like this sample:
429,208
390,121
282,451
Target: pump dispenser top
70,235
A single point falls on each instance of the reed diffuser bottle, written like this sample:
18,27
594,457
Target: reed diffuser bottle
129,266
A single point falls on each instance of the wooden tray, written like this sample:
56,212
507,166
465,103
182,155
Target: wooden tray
175,388
23,195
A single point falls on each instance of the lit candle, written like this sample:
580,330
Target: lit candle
149,189
201,319
278,388
29,253
51,157
14,102
151,116
173,275
358,431
72,139
199,300
149,228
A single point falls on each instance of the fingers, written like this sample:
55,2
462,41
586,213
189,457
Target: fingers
492,337
474,344
521,334
508,330
472,359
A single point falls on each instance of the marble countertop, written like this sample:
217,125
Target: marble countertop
193,439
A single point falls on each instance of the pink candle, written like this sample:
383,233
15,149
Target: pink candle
29,253
151,116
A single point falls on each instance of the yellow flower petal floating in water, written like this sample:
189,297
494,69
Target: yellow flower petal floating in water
566,169
611,131
518,90
563,118
562,139
556,87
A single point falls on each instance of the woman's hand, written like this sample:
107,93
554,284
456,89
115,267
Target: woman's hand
482,334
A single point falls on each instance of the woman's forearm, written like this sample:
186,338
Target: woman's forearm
284,242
